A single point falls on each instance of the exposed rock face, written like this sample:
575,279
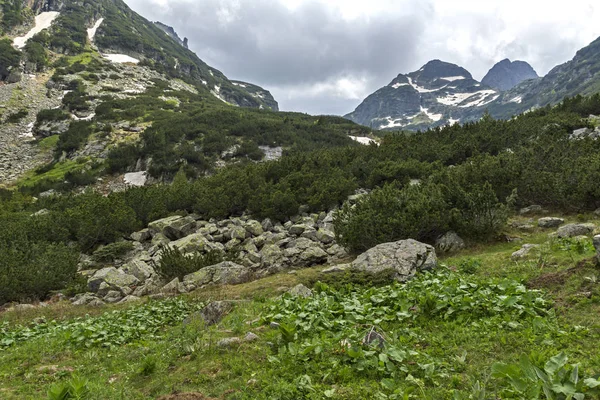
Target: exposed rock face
259,93
406,258
170,31
506,74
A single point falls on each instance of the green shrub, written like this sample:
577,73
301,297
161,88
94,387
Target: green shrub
175,264
30,271
17,117
390,214
112,251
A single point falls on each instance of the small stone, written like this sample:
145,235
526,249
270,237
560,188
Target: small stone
531,210
300,291
228,342
274,325
524,251
251,337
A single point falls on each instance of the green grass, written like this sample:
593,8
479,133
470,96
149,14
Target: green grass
55,174
442,346
48,144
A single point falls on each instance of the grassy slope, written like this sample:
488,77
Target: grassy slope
185,358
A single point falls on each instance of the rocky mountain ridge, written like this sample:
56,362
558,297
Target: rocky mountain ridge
446,93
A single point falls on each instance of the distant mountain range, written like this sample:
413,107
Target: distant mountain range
442,93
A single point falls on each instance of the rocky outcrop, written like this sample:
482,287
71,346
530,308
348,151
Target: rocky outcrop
525,250
404,259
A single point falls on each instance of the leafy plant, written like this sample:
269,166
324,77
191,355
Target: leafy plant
555,380
75,389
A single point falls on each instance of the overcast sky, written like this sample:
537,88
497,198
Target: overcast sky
326,56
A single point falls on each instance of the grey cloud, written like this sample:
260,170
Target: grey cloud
266,43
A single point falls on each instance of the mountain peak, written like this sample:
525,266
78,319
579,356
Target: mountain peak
507,74
437,69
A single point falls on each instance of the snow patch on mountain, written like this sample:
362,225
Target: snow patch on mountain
42,21
433,117
397,85
121,58
363,140
92,31
453,78
518,100
483,97
421,89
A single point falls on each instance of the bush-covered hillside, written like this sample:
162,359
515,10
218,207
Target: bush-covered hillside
471,177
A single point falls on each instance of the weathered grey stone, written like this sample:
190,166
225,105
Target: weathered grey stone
550,222
84,299
313,255
195,243
142,236
254,228
297,230
251,337
238,232
524,251
300,291
180,228
406,258
325,236
572,230
310,234
597,246
161,224
449,243
113,296
139,269
113,278
171,287
233,244
225,273
267,225
160,240
337,269
130,299
271,254
229,342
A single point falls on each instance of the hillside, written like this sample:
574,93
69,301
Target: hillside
94,91
413,103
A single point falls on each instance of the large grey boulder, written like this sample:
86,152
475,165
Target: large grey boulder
225,273
175,227
139,269
324,236
111,278
572,230
449,243
405,258
254,228
550,222
196,243
300,291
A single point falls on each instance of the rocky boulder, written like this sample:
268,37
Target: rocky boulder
139,269
225,273
449,243
111,279
175,227
535,209
196,243
597,246
405,258
572,230
550,222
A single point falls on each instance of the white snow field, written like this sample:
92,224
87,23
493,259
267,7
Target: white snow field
42,21
92,31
